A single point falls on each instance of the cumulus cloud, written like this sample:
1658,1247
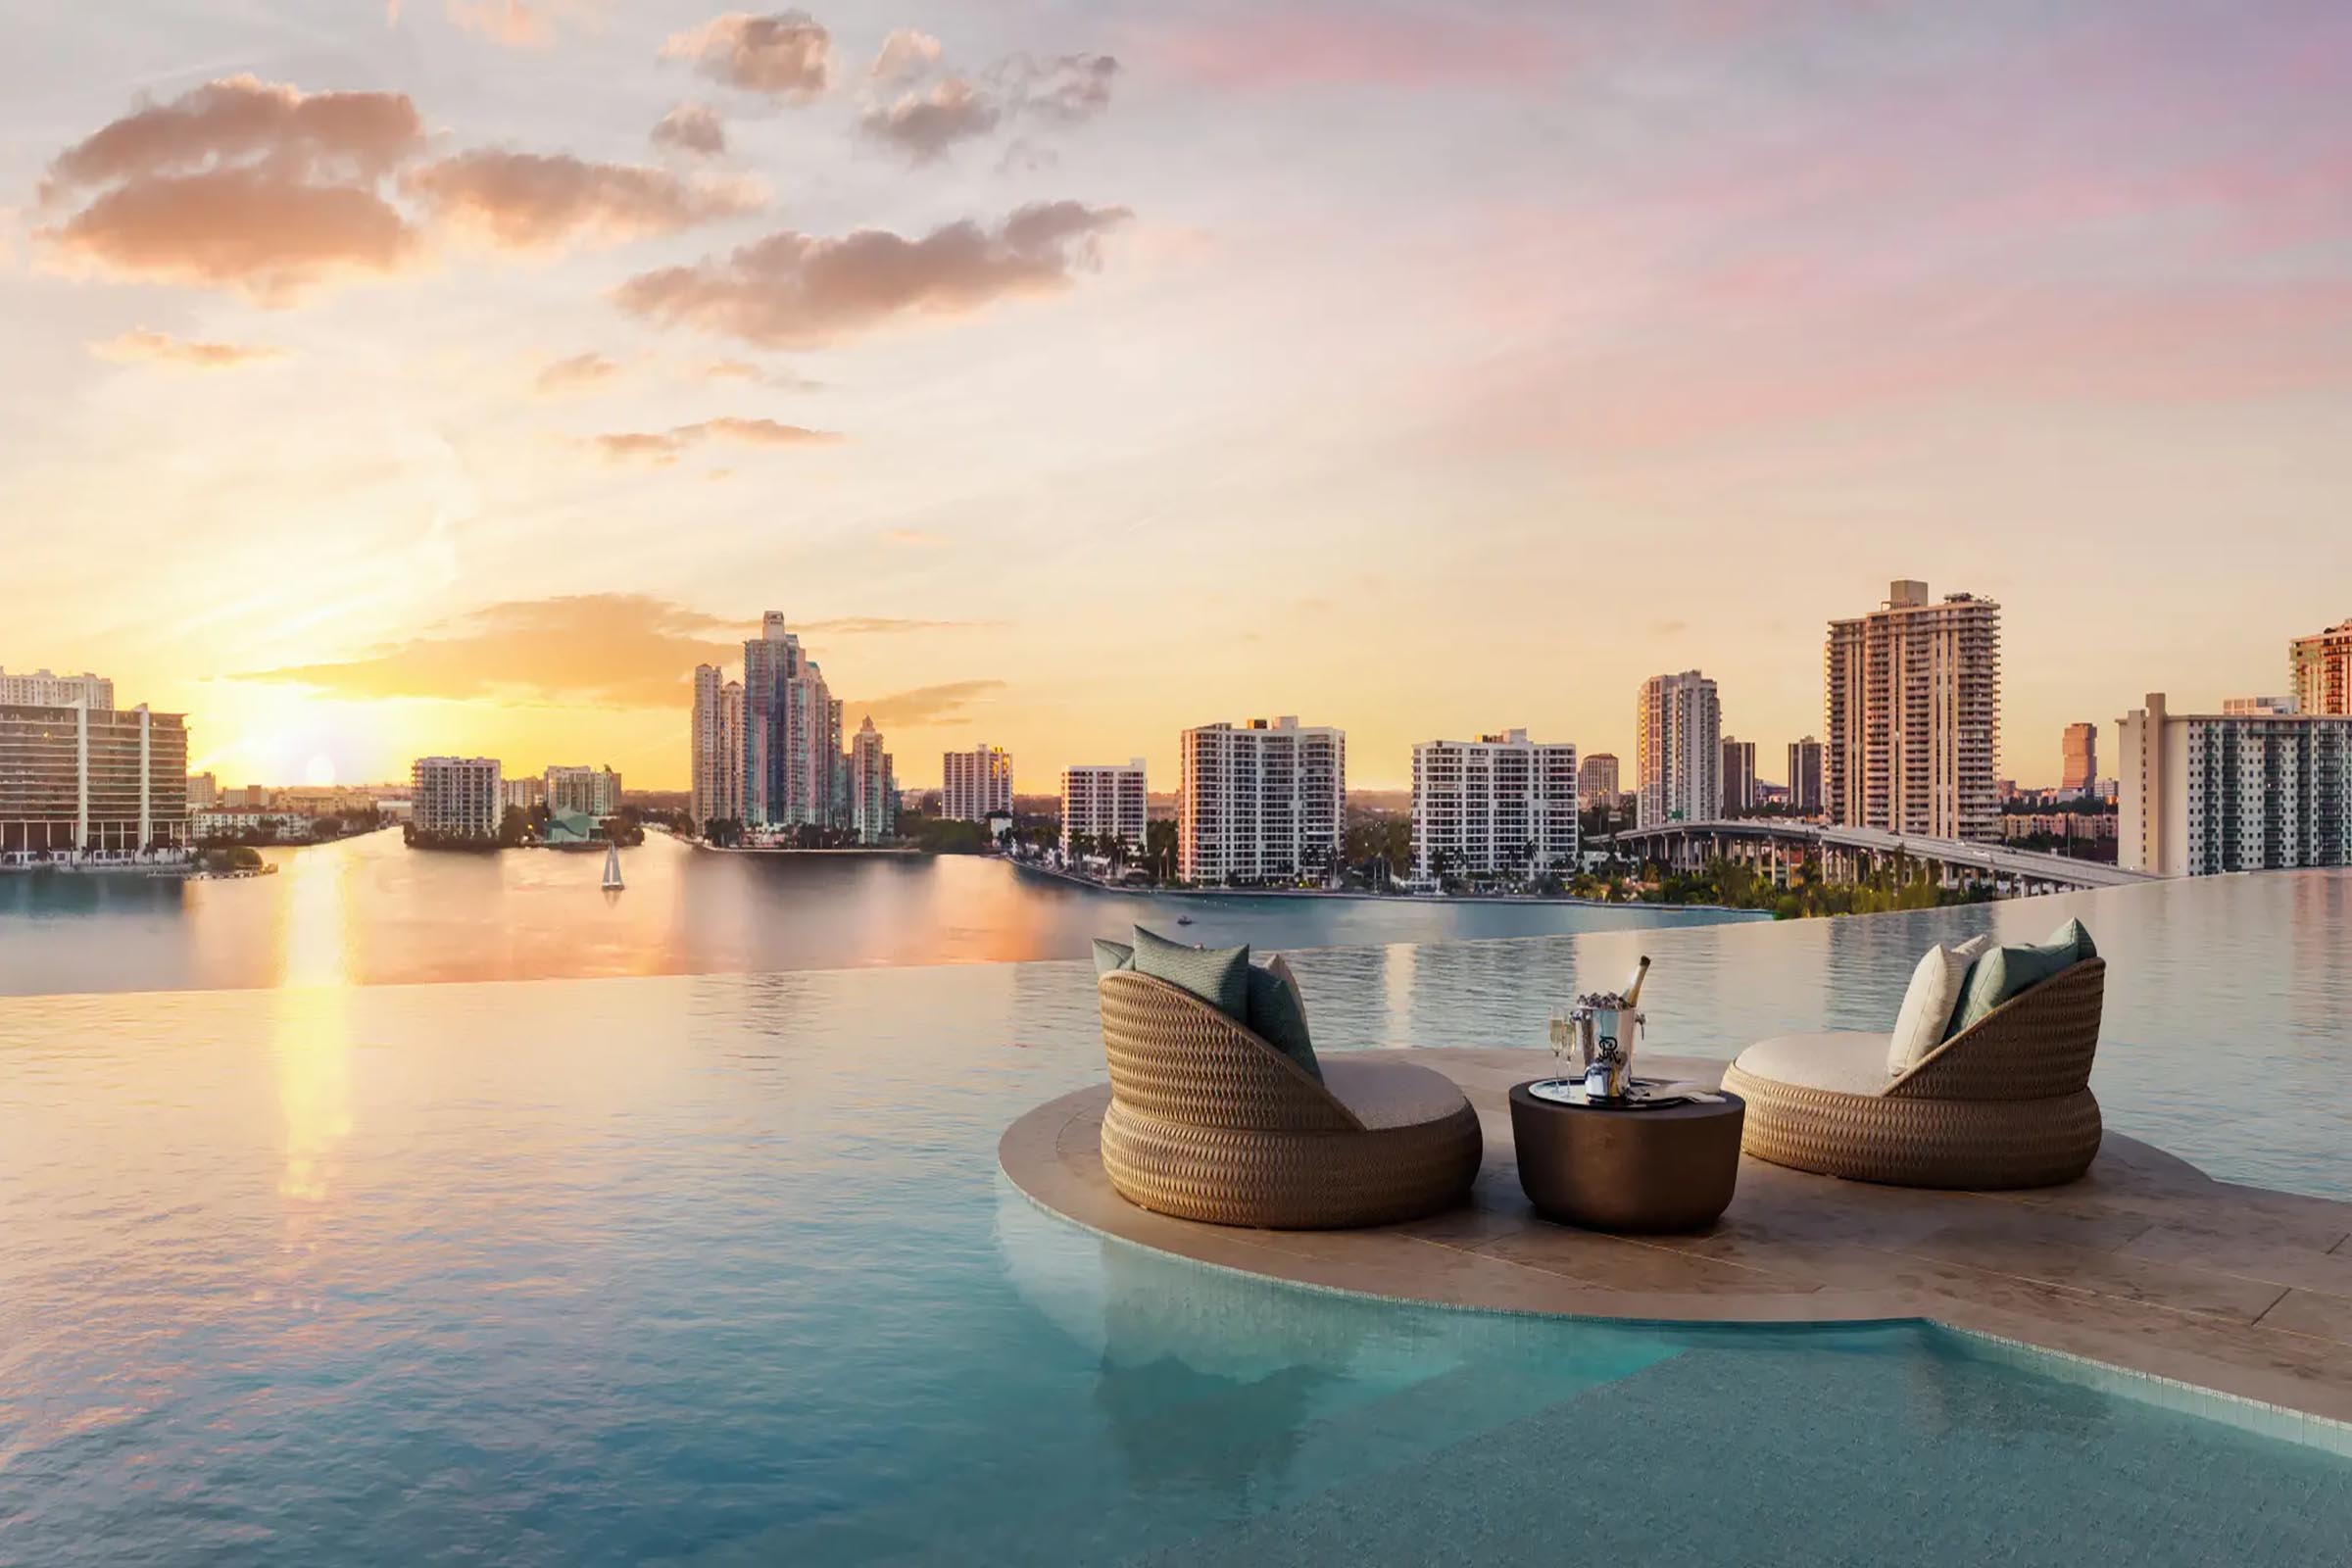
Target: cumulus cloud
787,56
534,201
240,184
924,124
662,448
794,291
576,374
160,348
521,23
606,650
925,121
926,704
692,128
907,53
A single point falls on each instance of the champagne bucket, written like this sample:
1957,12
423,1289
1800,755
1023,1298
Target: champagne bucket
1605,1042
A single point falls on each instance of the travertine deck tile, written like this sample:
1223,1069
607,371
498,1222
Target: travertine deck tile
2145,1265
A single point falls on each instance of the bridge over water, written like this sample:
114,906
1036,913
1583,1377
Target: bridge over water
1849,853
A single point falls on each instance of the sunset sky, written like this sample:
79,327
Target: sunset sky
453,375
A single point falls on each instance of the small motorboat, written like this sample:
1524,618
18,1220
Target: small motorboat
612,882
1184,919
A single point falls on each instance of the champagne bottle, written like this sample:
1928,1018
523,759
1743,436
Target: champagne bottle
1633,991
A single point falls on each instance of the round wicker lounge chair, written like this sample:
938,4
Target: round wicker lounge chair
1207,1121
2004,1103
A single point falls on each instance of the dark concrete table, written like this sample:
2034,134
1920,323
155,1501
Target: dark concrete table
1667,1168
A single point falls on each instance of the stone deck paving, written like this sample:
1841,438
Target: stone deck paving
2145,1265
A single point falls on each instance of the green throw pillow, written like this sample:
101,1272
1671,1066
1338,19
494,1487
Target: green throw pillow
1277,1018
2007,972
1110,956
1219,976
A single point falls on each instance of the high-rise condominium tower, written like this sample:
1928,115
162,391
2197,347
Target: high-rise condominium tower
1805,777
1739,776
1677,727
1264,803
717,748
975,783
2206,793
2079,774
1096,801
792,772
873,787
2321,667
1913,704
1498,806
1597,780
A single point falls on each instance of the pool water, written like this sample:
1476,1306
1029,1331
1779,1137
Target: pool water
716,1269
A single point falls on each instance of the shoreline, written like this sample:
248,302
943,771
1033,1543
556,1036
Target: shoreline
1429,900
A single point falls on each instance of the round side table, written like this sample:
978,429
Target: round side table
1670,1168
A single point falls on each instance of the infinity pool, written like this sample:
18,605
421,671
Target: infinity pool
719,1270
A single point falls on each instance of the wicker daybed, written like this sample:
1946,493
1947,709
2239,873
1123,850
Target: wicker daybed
1209,1122
2005,1103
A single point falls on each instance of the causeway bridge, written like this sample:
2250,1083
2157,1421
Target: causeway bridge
1776,845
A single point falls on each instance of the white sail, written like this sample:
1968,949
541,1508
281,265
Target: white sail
612,866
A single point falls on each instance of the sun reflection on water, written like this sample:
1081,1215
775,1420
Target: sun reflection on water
311,1043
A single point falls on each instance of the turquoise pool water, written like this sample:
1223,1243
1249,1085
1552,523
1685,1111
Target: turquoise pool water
719,1270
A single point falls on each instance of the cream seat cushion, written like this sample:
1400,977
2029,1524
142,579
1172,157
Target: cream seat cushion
1928,1005
1842,1063
1390,1094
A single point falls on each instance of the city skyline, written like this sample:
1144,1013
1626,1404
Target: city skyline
1692,287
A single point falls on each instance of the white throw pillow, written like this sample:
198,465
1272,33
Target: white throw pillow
1928,1005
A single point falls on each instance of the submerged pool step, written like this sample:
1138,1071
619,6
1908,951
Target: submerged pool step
1171,1446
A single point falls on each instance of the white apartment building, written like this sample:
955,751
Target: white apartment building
1101,800
716,748
78,783
525,792
594,791
1912,694
873,787
41,689
1263,804
203,792
975,783
457,796
1500,805
1678,731
2207,793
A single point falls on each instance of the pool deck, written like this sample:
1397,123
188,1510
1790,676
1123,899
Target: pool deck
2146,1264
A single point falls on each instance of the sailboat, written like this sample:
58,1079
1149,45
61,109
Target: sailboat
612,882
